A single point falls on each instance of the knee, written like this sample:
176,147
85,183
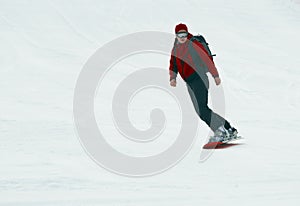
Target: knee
204,108
204,111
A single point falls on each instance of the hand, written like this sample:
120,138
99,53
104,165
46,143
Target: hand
218,81
173,82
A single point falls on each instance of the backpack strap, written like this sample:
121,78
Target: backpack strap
182,60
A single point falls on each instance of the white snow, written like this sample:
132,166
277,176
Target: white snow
43,47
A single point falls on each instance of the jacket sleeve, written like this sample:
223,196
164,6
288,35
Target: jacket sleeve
173,70
204,56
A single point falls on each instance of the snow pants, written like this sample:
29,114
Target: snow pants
198,91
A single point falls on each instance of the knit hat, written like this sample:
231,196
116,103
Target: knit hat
180,27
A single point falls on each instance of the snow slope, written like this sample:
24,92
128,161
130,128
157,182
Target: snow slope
44,45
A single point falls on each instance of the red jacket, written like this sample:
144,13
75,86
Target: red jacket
185,69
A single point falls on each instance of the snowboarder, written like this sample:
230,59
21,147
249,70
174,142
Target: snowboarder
187,57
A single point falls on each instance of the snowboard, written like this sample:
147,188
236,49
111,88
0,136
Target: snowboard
223,144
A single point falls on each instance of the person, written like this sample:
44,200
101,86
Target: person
188,58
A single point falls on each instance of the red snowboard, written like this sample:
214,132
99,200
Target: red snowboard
220,145
212,145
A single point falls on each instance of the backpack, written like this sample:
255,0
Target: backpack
201,39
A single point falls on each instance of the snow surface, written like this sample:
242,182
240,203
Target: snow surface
43,47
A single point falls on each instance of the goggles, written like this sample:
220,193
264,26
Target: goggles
182,34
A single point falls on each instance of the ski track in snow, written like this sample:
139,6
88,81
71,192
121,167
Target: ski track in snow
44,45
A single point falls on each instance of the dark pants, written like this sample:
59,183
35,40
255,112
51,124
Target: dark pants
198,90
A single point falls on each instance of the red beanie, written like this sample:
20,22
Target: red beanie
180,27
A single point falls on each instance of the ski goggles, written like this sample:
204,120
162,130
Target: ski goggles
182,34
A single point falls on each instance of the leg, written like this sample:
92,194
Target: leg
199,95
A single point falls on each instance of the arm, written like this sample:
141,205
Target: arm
204,56
173,70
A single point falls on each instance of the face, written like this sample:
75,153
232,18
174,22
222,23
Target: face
181,36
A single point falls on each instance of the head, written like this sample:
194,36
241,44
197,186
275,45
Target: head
181,31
